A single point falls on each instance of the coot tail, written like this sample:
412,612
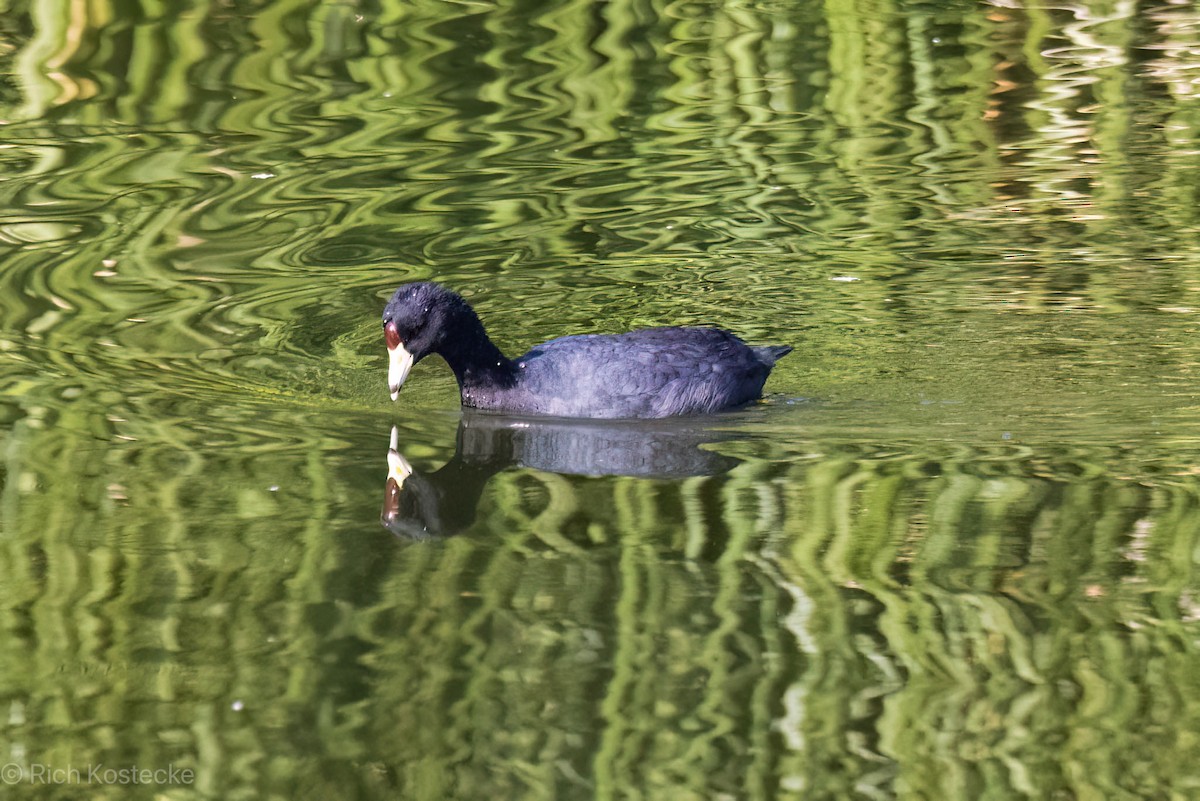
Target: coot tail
769,354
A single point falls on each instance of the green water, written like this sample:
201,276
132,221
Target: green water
951,556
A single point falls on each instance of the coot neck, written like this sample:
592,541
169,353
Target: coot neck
477,363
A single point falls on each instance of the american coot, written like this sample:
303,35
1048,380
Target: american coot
658,372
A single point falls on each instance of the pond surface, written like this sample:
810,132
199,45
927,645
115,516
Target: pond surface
953,554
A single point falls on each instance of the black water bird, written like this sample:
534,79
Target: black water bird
656,372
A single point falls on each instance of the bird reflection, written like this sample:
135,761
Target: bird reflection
444,502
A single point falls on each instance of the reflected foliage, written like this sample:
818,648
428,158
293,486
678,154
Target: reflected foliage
950,620
966,571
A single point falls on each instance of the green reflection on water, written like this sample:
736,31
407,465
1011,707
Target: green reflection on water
963,568
844,611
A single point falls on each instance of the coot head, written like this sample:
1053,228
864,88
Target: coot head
416,322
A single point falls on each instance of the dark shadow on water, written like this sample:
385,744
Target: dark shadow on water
444,502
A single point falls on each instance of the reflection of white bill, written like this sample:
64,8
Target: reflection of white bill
400,361
398,467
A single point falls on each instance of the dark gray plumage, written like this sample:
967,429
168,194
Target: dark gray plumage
657,372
